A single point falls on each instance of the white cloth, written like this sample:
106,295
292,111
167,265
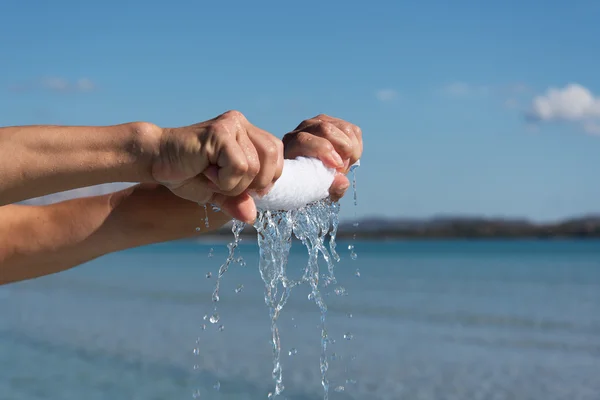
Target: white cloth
303,181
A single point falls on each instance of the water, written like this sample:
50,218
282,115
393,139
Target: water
430,320
311,225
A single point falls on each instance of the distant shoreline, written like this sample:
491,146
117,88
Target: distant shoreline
445,228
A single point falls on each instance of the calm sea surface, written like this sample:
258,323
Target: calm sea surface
427,320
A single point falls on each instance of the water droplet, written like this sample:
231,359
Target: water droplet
355,224
339,389
350,247
242,263
205,317
353,255
215,208
196,394
350,382
198,229
196,367
239,288
196,351
357,273
270,395
221,328
311,296
334,357
293,351
211,253
208,274
348,336
217,386
340,291
214,318
349,315
206,223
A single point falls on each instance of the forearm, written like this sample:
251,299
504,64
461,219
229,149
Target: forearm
39,160
38,241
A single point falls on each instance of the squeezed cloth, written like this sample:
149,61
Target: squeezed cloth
303,181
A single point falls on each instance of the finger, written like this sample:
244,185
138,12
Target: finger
253,163
195,189
270,154
353,133
339,187
233,165
341,141
240,207
308,145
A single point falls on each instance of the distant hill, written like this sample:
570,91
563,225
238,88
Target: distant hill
461,227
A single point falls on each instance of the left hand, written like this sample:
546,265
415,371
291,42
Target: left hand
337,143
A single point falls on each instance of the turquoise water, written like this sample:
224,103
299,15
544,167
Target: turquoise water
430,320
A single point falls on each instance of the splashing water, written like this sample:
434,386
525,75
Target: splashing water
310,224
236,229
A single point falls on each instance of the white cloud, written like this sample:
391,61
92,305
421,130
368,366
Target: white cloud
574,104
385,95
55,84
85,85
591,127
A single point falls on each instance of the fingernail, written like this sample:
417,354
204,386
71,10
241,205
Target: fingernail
337,159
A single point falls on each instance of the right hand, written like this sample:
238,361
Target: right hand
218,161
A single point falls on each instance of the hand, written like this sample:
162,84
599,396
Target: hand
337,143
150,213
217,161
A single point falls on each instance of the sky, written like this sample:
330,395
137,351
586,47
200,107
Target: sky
467,107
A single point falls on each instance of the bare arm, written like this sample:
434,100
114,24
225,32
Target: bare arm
42,240
39,160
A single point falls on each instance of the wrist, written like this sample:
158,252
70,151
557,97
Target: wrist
142,143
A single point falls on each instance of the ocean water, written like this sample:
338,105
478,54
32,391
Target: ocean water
425,320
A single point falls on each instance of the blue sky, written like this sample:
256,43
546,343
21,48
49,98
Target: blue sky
441,89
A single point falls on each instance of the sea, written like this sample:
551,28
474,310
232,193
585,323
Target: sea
414,320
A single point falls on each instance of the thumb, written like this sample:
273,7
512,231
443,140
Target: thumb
240,207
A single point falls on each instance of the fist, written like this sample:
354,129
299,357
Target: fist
337,143
218,161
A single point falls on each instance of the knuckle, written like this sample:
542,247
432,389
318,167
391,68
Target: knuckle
271,150
358,132
327,146
304,138
234,115
327,128
239,167
345,149
322,116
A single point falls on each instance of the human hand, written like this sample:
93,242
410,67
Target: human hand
217,161
151,213
337,143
